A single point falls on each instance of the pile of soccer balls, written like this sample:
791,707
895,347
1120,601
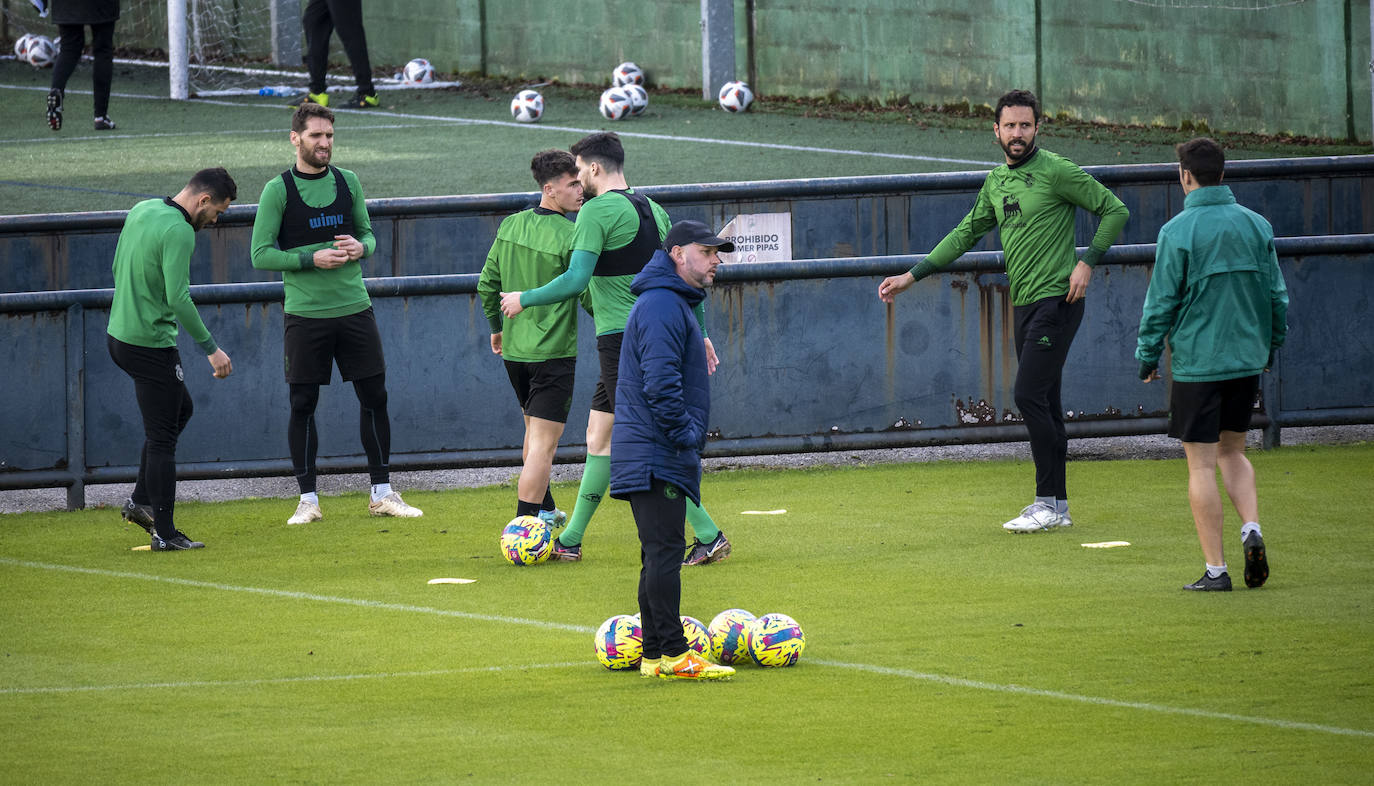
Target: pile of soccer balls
733,638
626,97
38,51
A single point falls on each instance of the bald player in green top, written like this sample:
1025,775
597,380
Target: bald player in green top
312,225
617,231
1031,200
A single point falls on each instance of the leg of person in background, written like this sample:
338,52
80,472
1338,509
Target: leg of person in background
596,479
1238,476
348,23
541,443
304,443
102,76
318,27
73,40
709,544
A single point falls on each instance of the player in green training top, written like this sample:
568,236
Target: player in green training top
617,232
312,225
152,294
1032,200
540,348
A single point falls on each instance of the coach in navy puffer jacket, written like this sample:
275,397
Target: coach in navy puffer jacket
663,397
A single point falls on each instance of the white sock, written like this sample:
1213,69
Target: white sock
1248,527
1216,570
1046,500
311,497
380,490
1061,506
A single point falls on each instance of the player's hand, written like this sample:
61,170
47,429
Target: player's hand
350,246
711,360
895,285
510,303
1154,375
330,258
495,343
1078,281
221,364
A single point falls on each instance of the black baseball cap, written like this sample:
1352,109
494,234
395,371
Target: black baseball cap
685,233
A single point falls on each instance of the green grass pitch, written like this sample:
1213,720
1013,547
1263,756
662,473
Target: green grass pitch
940,649
463,141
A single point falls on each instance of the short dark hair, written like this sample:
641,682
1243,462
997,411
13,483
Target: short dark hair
1017,98
1204,158
216,182
308,110
604,148
549,164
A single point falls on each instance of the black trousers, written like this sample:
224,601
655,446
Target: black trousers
660,515
1044,332
102,51
320,20
166,407
374,429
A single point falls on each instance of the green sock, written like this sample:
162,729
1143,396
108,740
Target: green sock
705,529
596,478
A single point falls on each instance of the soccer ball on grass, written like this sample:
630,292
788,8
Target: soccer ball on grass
41,52
627,73
698,639
735,96
418,72
639,99
619,643
526,541
527,106
615,103
730,636
775,640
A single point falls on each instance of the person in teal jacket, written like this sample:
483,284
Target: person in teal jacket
1217,295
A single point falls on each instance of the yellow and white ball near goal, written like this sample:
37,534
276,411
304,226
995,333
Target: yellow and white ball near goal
526,541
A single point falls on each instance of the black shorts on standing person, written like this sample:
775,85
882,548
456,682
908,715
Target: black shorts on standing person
72,17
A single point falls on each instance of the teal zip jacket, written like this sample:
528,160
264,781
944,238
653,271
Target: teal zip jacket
1216,292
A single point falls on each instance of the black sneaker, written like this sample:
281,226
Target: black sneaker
178,542
362,101
104,123
563,553
1256,566
55,110
142,515
705,553
1221,583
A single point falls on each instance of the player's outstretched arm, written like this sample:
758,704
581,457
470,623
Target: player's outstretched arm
895,285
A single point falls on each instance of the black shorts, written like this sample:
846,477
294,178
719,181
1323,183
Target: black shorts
544,388
1200,411
314,345
608,351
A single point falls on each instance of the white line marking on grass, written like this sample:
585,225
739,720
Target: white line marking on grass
871,669
283,680
1096,700
577,130
368,604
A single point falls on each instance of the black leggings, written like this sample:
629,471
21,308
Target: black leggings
320,20
374,428
660,514
102,51
1044,332
166,407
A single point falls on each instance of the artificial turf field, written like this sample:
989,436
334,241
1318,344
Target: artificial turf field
939,648
462,141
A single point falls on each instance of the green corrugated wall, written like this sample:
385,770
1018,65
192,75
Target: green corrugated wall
1301,68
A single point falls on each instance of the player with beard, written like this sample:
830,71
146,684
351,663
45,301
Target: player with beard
1031,200
617,231
312,225
152,293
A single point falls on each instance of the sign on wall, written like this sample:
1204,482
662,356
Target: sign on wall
760,237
